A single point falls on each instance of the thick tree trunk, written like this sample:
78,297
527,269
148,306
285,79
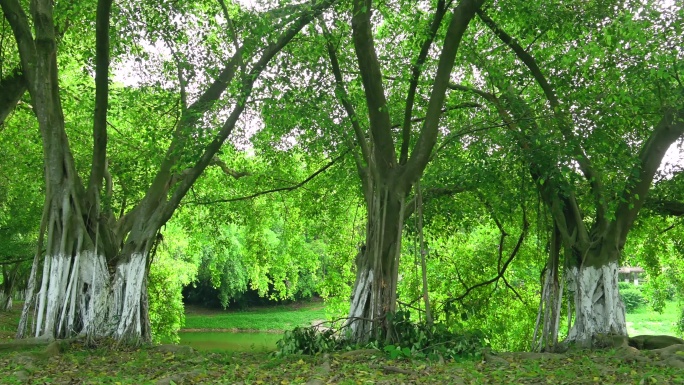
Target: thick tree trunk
374,292
80,296
548,316
81,290
598,307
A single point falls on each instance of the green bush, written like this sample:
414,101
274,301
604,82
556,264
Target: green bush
632,298
680,323
308,340
411,339
626,286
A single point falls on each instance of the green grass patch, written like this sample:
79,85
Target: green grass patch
278,318
645,320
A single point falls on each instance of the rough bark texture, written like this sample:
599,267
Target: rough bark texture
598,307
387,180
374,292
548,316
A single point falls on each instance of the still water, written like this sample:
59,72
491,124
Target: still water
232,342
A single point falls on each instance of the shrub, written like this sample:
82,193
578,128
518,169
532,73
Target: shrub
412,339
626,286
308,340
632,298
680,323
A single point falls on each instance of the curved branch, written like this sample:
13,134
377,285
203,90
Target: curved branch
270,191
666,132
673,208
21,29
344,99
227,170
502,271
11,90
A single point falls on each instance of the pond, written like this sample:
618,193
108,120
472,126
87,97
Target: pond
231,342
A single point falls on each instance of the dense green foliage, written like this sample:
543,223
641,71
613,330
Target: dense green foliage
632,297
413,340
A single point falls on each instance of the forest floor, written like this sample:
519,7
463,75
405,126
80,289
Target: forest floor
159,366
165,365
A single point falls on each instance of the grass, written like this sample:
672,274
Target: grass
646,321
147,366
272,319
111,365
9,321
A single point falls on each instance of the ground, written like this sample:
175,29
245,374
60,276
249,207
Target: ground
107,364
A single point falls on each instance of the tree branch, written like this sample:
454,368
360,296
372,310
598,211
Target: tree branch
246,90
22,34
427,139
98,163
563,208
343,97
371,77
16,260
564,122
227,170
673,208
415,75
666,132
502,271
430,194
279,189
443,110
11,90
231,26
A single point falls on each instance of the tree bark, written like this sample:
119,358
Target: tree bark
11,90
374,291
548,316
386,180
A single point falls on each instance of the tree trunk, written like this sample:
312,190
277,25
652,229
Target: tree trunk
598,307
9,278
377,267
548,316
83,289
